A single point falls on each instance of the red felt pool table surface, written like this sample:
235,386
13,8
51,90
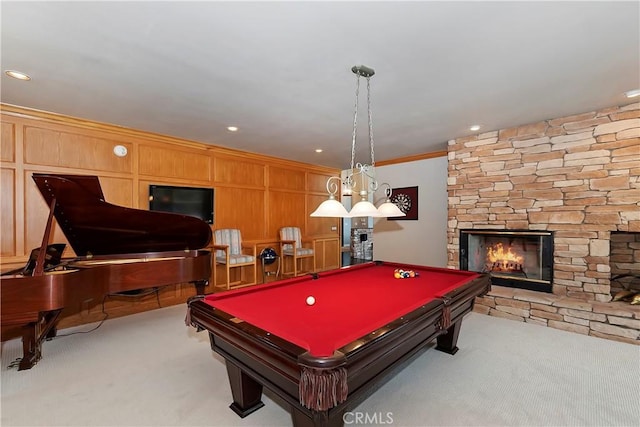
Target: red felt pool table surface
350,302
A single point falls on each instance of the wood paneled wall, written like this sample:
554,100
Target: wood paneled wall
254,193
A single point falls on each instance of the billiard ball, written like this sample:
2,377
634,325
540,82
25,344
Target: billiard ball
399,273
311,300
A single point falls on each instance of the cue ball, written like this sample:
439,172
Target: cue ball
311,300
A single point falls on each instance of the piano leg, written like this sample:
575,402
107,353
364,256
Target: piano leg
200,285
34,334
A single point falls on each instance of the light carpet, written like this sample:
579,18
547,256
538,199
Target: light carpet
149,369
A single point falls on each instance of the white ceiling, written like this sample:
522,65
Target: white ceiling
281,71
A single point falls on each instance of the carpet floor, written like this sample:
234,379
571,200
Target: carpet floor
149,369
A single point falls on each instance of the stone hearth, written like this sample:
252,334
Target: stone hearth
578,176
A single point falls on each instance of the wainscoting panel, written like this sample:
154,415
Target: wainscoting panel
8,145
48,147
238,172
170,162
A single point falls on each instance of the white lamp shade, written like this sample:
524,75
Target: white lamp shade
389,209
364,208
331,208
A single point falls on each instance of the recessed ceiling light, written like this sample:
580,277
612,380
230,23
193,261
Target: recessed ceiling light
232,128
475,127
17,75
318,150
632,93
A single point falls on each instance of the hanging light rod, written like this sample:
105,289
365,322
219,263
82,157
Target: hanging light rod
360,175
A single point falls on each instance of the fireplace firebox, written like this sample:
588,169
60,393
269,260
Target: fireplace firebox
513,258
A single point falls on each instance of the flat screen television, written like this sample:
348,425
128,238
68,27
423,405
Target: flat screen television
193,201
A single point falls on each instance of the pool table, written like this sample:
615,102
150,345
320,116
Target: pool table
325,358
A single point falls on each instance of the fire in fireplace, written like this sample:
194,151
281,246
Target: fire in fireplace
500,260
514,258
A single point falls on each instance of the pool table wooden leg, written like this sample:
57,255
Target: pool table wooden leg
448,341
200,285
318,419
246,392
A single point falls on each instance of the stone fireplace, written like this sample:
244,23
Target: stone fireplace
576,177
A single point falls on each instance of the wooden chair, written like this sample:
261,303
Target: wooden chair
231,253
293,247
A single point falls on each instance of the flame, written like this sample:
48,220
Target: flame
497,255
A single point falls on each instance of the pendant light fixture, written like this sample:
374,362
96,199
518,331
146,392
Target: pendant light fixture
361,178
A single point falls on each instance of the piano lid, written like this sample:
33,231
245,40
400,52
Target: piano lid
95,227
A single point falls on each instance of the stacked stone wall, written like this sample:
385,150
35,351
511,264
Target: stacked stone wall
578,176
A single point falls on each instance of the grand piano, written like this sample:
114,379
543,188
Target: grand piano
117,250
